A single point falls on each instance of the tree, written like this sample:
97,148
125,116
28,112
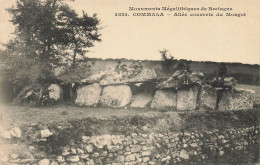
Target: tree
35,25
77,32
50,24
45,31
21,68
28,56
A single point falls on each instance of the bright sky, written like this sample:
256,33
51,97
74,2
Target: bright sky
220,39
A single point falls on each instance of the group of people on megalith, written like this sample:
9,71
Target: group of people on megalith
131,71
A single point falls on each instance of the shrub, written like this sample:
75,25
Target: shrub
167,60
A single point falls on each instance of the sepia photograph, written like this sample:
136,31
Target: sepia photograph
133,82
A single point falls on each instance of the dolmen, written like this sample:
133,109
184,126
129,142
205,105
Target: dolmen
182,91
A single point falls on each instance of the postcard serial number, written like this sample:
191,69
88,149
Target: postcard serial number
121,14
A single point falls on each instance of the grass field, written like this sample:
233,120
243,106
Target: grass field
22,115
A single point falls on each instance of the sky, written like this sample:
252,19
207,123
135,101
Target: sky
219,39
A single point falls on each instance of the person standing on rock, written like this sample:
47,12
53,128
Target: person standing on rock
222,72
118,67
124,70
184,67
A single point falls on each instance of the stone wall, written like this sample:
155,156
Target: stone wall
144,147
166,148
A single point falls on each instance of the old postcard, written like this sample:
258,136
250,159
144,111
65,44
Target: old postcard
129,82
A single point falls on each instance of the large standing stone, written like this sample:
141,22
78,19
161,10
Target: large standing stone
88,95
237,99
164,99
55,92
187,98
207,98
116,96
141,100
